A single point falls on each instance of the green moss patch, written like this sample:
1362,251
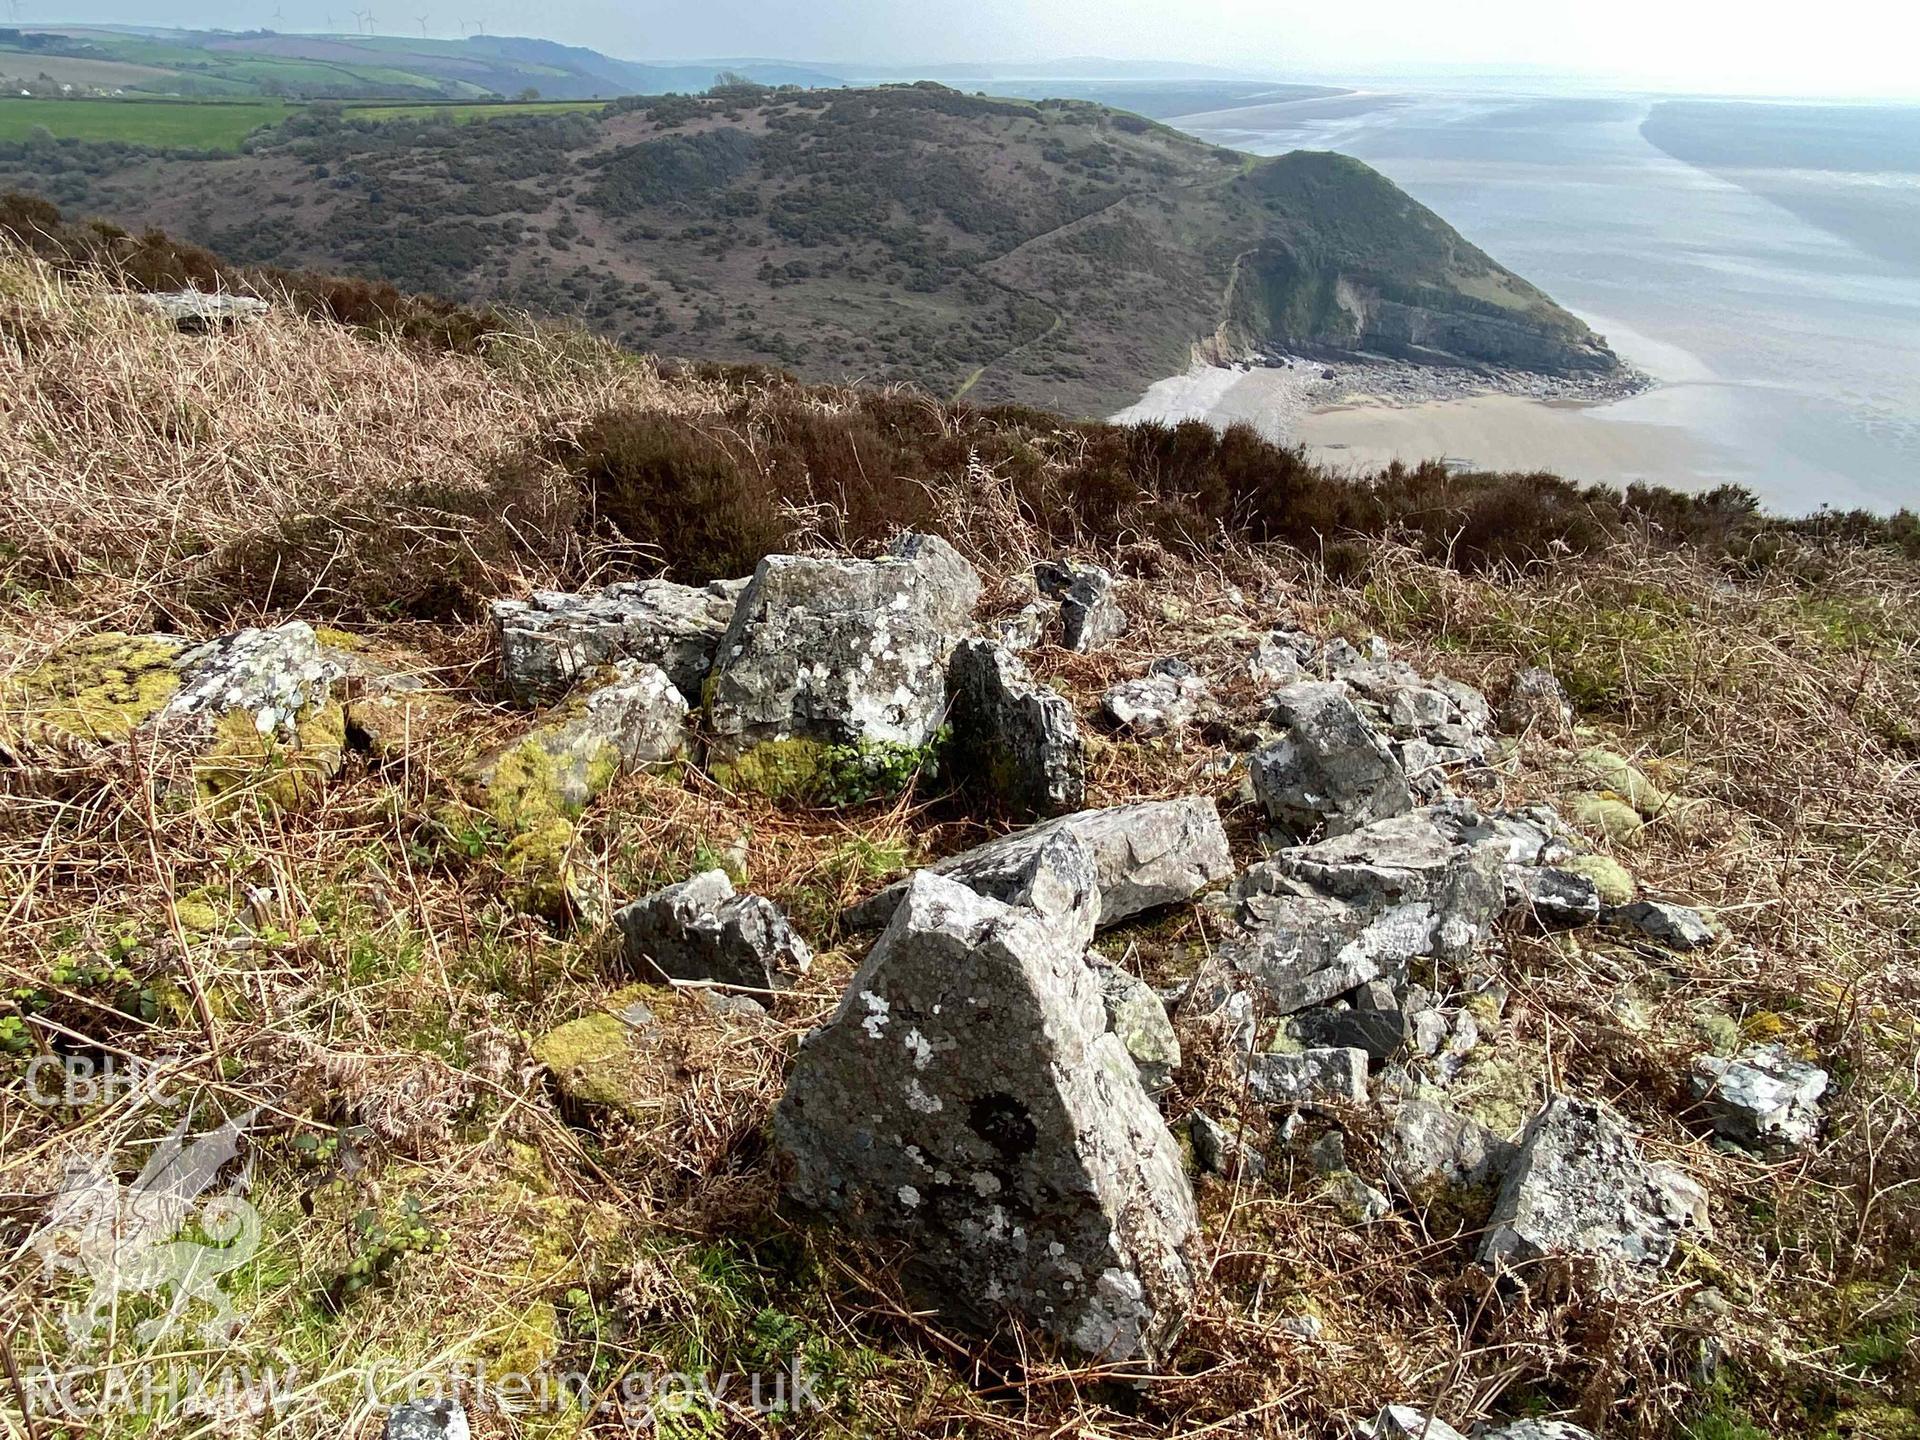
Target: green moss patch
813,772
97,690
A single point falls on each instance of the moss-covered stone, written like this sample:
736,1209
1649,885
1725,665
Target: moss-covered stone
813,772
610,1058
98,690
1614,774
1612,880
286,770
1608,814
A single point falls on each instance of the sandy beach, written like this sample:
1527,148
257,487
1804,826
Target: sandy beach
1370,414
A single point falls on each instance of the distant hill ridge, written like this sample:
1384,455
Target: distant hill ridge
1056,253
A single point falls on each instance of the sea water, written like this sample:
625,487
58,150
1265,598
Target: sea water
1770,281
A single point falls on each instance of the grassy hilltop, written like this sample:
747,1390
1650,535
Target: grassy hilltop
1056,253
356,966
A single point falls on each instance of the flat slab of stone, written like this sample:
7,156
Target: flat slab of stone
202,312
1676,927
1158,852
1014,740
1309,1076
701,930
547,642
967,1097
1579,1185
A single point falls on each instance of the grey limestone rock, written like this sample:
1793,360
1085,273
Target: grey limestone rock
838,653
1372,1020
1321,920
547,642
1674,926
200,312
1537,702
428,1420
1283,658
1427,1146
1158,852
1552,899
1762,1097
1537,1430
277,677
1158,703
1306,1077
1403,1422
1579,1185
1218,1150
968,1097
1329,770
701,930
1017,739
1139,1017
1090,617
636,719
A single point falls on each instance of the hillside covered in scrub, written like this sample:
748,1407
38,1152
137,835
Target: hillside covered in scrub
1054,253
1013,926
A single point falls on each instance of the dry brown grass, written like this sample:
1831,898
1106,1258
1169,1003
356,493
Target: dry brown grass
384,993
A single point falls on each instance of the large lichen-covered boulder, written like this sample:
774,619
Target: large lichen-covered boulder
831,682
1330,770
548,642
967,1097
701,930
534,788
1155,853
1015,738
254,713
1579,1185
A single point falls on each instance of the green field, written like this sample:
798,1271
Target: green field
464,113
163,124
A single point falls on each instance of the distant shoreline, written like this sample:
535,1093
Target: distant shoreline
1367,413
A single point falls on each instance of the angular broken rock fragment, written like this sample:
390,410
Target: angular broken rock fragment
1553,899
428,1420
1321,920
1158,852
1090,616
255,713
1428,1147
1223,1152
1014,739
1537,1430
1537,702
1306,1077
1372,1020
546,643
1674,926
1283,657
967,1097
1139,1017
1579,1185
1764,1096
1329,770
637,718
199,312
701,930
1024,629
1157,703
1403,1422
831,681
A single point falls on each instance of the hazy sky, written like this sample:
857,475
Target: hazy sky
1830,47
